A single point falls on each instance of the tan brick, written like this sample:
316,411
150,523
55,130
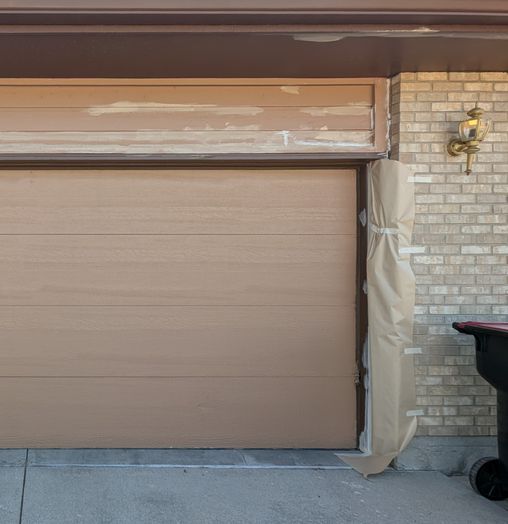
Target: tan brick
474,410
442,410
464,76
468,250
462,97
441,431
447,106
473,431
441,370
454,380
407,76
430,96
494,76
447,86
459,421
485,420
431,421
478,86
432,76
415,86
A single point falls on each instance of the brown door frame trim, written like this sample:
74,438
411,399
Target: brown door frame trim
210,161
296,161
361,316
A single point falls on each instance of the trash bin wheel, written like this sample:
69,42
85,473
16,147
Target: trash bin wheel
485,478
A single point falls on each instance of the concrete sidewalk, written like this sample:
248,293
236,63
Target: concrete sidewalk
168,486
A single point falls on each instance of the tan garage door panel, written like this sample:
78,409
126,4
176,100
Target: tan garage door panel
177,270
138,412
178,308
177,341
193,202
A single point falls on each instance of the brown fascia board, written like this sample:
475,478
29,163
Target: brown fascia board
262,12
205,55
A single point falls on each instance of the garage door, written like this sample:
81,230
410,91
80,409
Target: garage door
178,308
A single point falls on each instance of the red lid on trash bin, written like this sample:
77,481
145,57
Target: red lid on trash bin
495,326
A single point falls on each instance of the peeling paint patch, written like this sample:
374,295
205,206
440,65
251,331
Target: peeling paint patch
336,37
240,111
156,141
350,110
285,136
329,140
331,144
251,127
125,107
318,38
292,90
422,29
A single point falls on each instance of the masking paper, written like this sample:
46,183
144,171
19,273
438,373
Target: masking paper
390,383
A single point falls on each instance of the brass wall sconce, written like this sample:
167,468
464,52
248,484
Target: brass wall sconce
471,133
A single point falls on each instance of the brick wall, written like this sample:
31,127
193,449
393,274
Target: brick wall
462,221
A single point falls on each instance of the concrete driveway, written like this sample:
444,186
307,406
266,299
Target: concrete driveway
170,486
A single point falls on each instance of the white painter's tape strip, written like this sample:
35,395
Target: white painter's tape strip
365,287
363,217
413,351
412,249
414,413
384,230
420,179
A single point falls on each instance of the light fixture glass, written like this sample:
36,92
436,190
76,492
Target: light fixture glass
473,129
471,132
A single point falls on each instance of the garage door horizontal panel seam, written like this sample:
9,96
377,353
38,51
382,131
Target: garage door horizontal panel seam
175,305
179,377
179,234
178,305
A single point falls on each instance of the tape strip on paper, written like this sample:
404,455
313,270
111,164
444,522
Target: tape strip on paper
412,249
363,217
384,230
414,413
413,351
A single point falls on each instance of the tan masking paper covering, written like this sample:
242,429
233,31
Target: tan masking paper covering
391,296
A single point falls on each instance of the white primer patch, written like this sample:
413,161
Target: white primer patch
285,137
326,139
330,144
292,90
350,110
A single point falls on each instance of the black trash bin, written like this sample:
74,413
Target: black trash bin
489,476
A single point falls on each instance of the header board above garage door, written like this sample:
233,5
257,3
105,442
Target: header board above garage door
158,117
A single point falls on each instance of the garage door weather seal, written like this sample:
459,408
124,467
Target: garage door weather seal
390,382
